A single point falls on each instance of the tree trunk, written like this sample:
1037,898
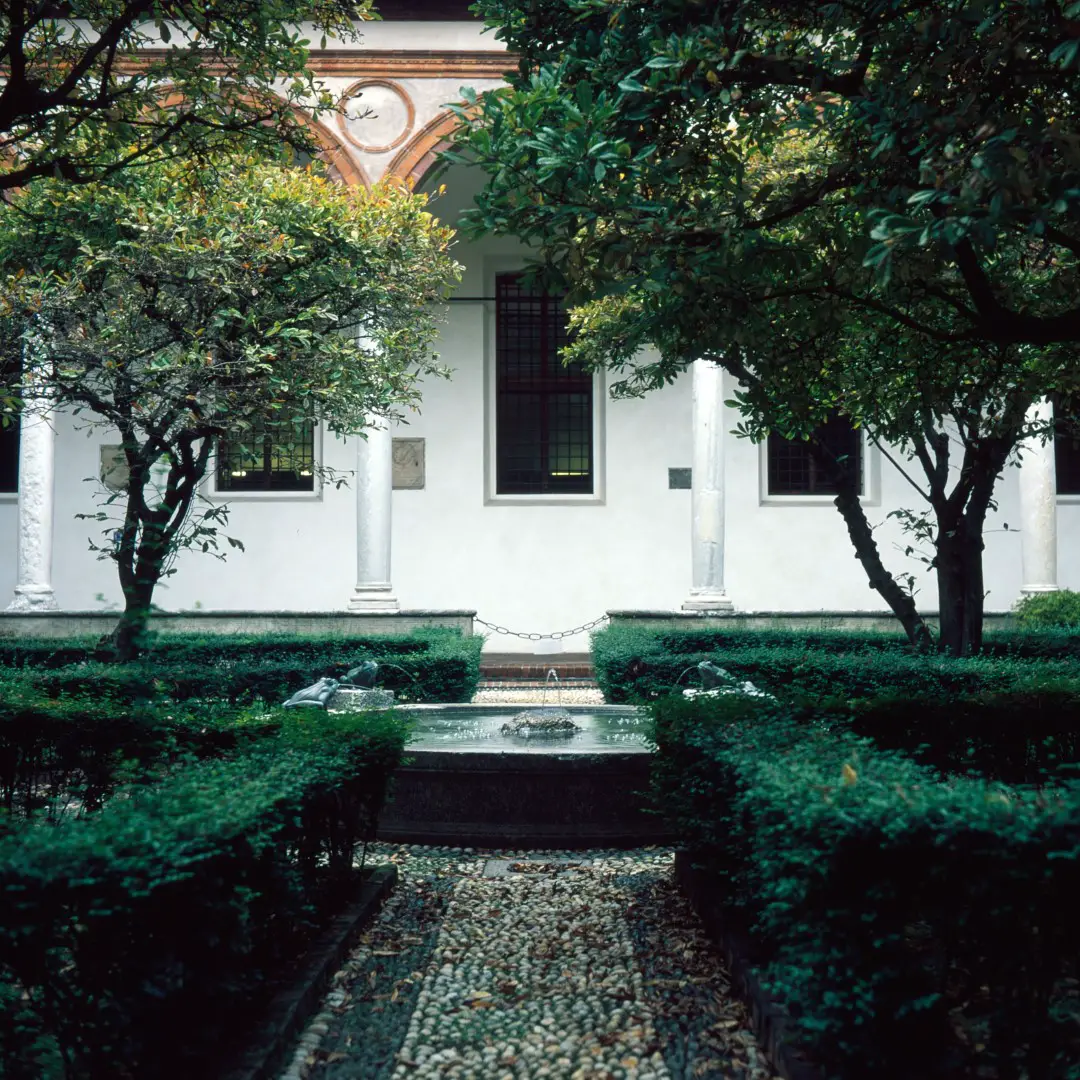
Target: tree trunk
960,588
901,603
126,640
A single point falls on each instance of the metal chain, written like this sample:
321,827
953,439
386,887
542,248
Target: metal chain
557,636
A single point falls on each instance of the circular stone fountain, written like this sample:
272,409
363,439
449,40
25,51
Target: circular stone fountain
471,777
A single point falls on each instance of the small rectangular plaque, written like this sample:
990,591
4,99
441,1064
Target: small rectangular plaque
678,478
408,463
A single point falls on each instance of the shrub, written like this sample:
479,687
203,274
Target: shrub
890,907
635,665
130,938
443,667
1025,735
1055,609
74,750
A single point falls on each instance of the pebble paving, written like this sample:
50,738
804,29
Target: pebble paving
524,966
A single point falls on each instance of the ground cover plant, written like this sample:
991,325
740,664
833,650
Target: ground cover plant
133,935
913,925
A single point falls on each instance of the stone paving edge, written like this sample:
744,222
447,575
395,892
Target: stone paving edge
268,1044
770,1021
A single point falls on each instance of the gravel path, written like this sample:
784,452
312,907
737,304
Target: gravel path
521,966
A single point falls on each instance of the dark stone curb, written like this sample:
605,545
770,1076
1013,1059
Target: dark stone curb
267,1045
768,1019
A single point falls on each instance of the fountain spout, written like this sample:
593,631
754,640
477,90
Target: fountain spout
552,674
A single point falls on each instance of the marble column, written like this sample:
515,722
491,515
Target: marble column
707,492
37,452
1038,505
374,481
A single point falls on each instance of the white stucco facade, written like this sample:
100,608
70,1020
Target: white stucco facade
531,563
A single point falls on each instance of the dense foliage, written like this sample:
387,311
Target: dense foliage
131,937
912,927
1061,608
75,103
861,208
185,303
638,664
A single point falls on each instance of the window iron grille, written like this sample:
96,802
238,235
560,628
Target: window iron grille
544,409
793,470
269,457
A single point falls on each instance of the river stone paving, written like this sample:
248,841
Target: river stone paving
520,966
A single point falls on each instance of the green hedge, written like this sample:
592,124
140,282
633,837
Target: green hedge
635,664
434,667
130,938
71,752
1027,735
891,908
217,648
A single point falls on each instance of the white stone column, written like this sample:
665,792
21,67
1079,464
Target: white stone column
707,491
37,453
374,480
1038,505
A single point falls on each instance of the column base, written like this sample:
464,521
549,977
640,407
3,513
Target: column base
34,598
712,600
378,597
1028,590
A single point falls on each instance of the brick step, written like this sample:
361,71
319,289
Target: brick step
500,670
535,684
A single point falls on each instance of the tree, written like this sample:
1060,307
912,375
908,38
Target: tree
786,188
94,86
179,306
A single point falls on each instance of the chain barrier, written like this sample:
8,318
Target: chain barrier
557,636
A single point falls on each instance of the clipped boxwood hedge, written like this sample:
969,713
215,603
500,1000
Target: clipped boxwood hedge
74,750
893,909
440,666
635,664
217,648
129,938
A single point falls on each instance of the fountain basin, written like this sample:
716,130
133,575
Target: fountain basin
466,783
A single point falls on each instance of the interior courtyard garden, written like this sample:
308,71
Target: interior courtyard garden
347,348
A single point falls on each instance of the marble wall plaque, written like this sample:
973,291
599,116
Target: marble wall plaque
408,463
678,478
114,468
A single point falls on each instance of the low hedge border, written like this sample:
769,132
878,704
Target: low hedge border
882,896
128,937
265,1047
437,668
633,667
216,648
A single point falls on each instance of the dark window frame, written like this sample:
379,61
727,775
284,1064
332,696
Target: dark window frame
530,328
260,447
792,472
1067,443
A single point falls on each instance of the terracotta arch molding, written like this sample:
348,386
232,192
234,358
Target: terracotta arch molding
334,152
417,157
